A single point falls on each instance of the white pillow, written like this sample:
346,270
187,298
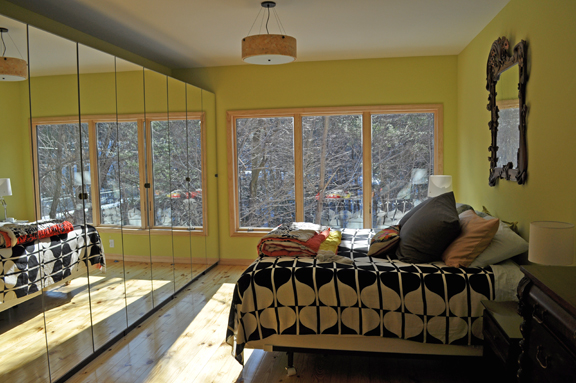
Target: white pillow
505,244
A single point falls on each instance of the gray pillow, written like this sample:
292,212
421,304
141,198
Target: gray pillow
429,230
505,244
407,216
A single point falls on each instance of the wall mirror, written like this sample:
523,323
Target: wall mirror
506,83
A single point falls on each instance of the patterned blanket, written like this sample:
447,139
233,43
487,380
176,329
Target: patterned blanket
26,269
427,303
20,234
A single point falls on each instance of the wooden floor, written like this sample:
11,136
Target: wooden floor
78,320
184,342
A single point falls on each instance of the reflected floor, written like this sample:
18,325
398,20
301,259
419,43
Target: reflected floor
72,333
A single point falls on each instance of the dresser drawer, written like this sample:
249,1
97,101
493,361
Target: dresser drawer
550,359
551,315
496,340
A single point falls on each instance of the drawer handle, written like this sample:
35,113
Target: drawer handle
545,364
538,318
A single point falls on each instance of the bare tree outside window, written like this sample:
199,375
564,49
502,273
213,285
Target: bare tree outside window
118,171
61,171
177,156
265,150
402,160
332,160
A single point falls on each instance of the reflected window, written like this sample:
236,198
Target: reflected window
63,165
177,173
119,173
169,158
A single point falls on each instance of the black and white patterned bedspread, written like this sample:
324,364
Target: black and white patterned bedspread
27,268
427,303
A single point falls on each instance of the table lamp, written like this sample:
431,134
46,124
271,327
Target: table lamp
551,243
439,185
5,190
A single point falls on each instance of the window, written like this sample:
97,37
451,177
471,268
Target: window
342,167
120,158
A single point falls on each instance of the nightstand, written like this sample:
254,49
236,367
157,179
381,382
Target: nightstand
501,330
548,306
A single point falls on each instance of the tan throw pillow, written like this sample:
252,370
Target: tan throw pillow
476,235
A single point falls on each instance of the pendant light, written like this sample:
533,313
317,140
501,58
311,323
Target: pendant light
11,68
268,49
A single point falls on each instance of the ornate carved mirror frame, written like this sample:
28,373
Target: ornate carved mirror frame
499,61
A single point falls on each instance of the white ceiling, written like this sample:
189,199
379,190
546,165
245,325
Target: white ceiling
203,33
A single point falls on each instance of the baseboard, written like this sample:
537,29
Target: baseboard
235,262
156,259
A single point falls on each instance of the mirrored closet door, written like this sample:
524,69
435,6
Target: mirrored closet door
121,153
22,324
61,163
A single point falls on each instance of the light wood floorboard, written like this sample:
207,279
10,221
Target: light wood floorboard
184,342
78,322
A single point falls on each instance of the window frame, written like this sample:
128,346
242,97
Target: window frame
366,112
144,121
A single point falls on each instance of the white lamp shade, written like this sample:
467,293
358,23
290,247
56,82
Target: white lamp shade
5,187
551,243
439,185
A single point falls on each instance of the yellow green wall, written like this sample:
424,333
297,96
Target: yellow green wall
15,149
549,27
416,80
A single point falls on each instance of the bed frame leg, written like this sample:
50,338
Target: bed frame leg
290,369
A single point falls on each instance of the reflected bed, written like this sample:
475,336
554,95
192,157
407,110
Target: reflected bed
27,269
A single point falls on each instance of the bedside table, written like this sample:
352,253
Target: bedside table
501,330
548,306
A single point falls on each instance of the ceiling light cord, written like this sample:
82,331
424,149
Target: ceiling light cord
267,20
256,19
282,30
3,43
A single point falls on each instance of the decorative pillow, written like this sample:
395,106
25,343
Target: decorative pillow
384,241
505,244
331,243
429,230
412,211
475,236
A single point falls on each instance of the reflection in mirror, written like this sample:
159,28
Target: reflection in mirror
98,110
21,312
508,139
197,171
125,192
209,110
62,165
183,198
160,175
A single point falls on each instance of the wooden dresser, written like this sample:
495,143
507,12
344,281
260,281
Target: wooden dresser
548,308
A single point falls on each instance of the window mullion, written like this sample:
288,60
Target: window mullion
95,184
367,168
298,168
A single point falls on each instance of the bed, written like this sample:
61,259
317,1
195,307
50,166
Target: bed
29,268
370,305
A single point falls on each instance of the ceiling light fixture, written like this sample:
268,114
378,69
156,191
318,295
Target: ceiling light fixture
267,49
11,68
